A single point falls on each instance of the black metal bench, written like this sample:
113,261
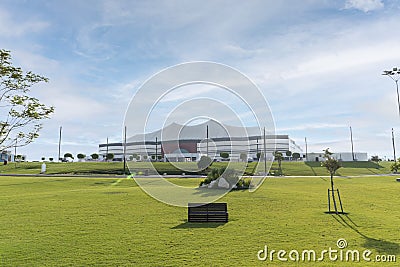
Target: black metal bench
211,212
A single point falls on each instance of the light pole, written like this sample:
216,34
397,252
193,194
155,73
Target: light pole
394,147
305,140
107,150
124,150
352,146
207,140
156,149
265,155
257,150
59,145
394,74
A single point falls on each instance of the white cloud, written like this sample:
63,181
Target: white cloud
311,126
187,92
10,27
92,42
35,62
364,5
69,97
75,107
345,60
122,93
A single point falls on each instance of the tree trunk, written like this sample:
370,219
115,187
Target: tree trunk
280,167
333,194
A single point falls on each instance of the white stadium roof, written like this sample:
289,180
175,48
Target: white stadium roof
176,131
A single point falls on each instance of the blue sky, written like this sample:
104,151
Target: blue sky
319,63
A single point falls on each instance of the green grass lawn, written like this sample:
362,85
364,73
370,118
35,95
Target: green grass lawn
96,167
63,168
111,222
290,168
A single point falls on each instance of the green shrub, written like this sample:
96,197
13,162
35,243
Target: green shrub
395,166
215,173
243,184
230,175
224,155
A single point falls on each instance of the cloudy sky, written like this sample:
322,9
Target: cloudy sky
318,63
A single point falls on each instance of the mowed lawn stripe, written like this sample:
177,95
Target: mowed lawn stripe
83,222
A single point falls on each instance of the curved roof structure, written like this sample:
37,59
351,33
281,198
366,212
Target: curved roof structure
176,131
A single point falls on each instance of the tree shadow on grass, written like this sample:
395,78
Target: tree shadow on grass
312,165
192,225
380,245
312,169
372,170
361,164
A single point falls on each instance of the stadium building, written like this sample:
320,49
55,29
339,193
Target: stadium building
182,143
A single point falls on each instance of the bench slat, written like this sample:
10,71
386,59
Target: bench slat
211,212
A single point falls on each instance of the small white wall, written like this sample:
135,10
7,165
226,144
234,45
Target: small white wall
343,156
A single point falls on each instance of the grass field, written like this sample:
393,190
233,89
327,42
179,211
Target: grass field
290,168
111,222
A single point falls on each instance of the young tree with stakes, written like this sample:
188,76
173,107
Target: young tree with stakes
332,165
279,157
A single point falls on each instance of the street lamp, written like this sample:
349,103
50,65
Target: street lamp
394,74
59,145
394,147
